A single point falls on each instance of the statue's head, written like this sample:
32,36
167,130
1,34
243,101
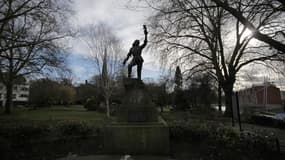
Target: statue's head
136,43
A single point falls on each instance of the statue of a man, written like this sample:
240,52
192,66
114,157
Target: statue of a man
136,52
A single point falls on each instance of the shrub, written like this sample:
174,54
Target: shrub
28,140
72,128
23,132
267,121
180,100
92,104
222,138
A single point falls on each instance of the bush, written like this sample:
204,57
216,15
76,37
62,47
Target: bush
72,128
196,132
180,100
216,137
92,104
267,121
30,140
102,107
24,132
27,132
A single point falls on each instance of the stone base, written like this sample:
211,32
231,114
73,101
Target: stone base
137,138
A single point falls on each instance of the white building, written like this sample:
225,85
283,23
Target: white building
20,93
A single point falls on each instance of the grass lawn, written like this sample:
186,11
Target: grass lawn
55,113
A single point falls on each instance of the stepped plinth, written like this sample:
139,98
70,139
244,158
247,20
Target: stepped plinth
138,128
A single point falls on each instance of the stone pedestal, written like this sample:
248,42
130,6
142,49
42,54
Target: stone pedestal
137,105
138,129
147,138
137,114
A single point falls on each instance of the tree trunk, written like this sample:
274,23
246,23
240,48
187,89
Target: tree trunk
220,97
228,90
161,108
107,106
9,97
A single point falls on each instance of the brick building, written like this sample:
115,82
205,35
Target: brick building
265,96
283,97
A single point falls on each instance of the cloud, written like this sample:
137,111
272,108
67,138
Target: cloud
82,67
127,25
256,74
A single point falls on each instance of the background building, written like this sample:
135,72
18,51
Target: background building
265,97
20,92
283,97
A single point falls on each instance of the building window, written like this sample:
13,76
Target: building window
24,89
14,96
23,95
15,87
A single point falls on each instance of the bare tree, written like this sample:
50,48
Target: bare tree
105,49
29,40
205,38
271,8
11,9
26,9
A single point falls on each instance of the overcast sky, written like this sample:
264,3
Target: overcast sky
127,25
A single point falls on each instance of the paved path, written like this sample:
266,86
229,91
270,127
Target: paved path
114,157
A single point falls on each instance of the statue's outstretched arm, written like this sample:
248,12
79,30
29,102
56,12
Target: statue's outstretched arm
145,37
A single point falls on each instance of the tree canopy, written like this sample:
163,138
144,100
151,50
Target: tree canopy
203,37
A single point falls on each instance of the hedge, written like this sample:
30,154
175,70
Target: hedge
224,141
53,139
48,140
